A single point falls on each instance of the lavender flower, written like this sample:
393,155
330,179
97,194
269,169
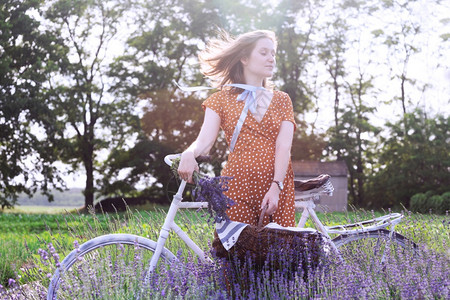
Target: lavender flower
118,273
76,245
43,256
212,190
11,282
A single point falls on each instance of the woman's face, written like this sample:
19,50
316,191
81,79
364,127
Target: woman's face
261,62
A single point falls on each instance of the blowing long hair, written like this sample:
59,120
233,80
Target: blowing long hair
221,60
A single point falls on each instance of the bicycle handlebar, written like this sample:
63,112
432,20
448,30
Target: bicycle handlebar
168,159
200,159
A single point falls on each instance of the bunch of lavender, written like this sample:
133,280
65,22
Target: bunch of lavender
210,190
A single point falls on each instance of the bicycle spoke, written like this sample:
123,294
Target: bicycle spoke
120,266
112,267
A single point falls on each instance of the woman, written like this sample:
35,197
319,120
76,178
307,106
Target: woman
258,125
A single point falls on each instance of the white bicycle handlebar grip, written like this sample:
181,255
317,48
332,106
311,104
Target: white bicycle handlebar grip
168,159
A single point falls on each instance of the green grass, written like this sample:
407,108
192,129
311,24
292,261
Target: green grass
39,209
22,234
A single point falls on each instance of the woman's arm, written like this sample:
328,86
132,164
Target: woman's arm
282,156
201,146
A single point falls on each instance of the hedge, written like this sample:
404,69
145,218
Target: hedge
426,202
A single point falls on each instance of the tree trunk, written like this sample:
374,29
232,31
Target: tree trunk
403,97
359,161
334,75
360,174
352,187
89,190
88,160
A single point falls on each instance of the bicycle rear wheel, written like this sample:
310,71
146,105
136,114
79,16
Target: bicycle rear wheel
106,267
368,249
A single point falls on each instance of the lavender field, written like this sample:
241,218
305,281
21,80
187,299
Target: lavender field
49,238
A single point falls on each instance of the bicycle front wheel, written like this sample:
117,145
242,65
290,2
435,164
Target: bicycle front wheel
374,247
106,267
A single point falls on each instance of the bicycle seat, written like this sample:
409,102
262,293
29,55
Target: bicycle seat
313,183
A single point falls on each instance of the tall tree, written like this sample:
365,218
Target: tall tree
295,71
359,135
157,53
166,49
352,135
27,57
414,163
92,120
331,52
402,43
294,49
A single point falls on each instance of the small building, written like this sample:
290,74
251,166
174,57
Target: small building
338,171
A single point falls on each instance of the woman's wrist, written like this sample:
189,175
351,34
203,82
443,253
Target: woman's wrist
275,187
188,153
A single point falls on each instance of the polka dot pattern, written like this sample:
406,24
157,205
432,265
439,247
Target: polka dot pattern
252,162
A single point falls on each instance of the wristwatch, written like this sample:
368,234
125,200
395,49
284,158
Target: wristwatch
279,184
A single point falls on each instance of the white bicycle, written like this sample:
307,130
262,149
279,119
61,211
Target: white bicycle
106,254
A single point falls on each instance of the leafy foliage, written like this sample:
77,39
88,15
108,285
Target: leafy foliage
429,202
90,121
68,94
156,53
412,160
28,56
352,139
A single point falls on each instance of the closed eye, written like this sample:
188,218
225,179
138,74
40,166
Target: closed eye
264,53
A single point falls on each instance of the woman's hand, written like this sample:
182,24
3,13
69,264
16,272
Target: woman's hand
187,166
271,199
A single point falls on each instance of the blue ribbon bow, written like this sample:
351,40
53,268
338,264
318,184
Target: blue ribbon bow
248,95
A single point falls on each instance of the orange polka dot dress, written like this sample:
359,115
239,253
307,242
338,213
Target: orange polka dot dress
252,162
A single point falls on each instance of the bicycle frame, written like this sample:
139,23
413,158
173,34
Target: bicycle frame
169,224
304,200
375,228
382,222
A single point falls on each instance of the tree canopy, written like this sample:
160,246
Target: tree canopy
28,56
86,88
411,161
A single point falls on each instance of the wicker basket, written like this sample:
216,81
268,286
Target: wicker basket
269,245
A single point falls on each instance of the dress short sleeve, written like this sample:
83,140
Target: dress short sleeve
287,109
214,102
